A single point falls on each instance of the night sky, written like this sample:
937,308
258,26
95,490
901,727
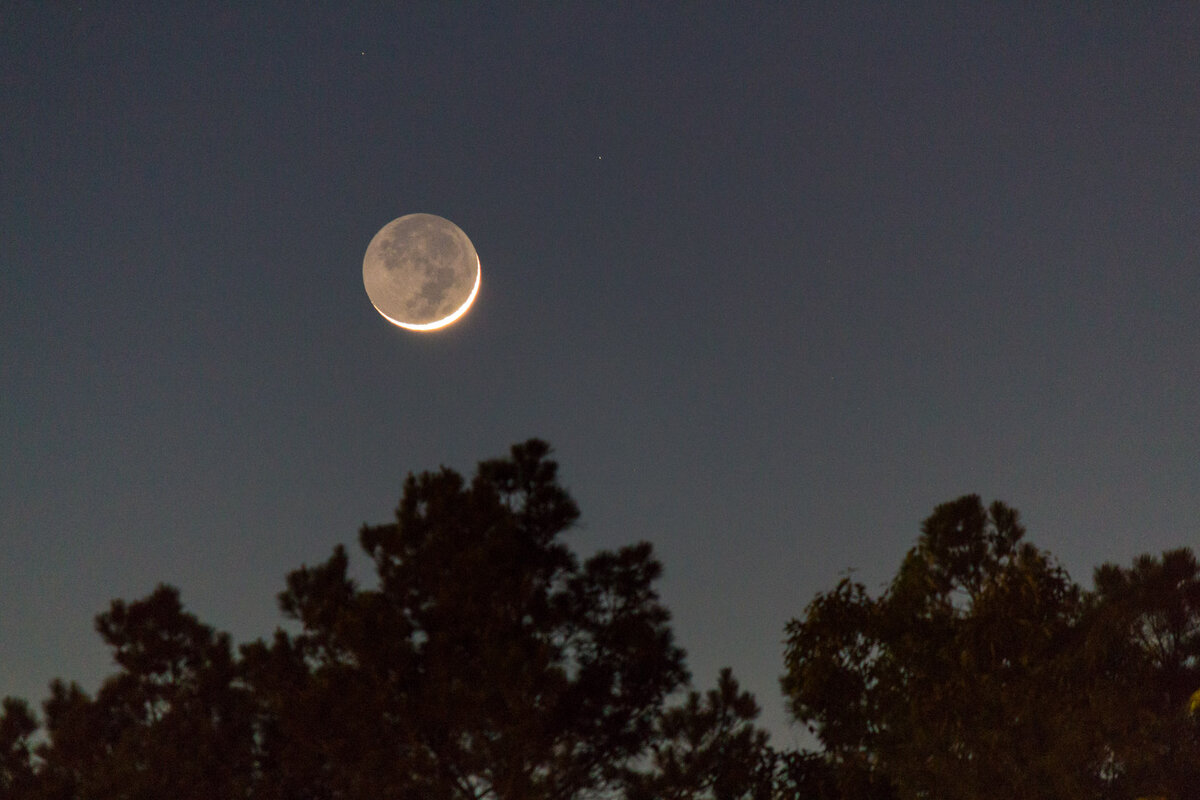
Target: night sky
774,280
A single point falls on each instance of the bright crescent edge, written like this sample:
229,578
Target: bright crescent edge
444,321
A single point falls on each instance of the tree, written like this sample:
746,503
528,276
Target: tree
708,747
1145,643
172,723
17,726
488,662
953,683
485,661
983,671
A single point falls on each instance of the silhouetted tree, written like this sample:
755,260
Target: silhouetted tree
806,775
708,748
17,727
983,671
1144,648
487,661
172,723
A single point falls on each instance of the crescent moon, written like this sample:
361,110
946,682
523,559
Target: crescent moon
441,323
421,272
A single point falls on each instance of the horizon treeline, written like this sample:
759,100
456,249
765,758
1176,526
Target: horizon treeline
489,661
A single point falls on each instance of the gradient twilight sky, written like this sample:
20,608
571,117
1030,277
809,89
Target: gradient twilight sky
773,279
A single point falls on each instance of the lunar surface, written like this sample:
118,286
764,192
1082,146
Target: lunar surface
421,272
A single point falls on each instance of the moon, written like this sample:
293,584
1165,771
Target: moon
421,272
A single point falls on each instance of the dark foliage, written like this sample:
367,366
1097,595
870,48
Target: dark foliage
709,747
983,671
487,661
